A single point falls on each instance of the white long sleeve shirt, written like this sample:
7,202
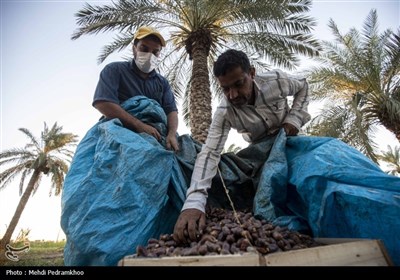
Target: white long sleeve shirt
254,122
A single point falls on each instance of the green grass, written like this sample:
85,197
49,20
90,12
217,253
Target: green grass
41,253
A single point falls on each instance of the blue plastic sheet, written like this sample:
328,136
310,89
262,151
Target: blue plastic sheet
332,188
124,188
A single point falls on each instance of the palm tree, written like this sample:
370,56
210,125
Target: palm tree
231,149
199,30
49,156
392,158
360,82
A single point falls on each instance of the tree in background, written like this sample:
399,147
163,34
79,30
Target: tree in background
275,30
49,156
392,158
231,149
360,81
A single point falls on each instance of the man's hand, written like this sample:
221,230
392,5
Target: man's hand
191,220
290,129
172,142
149,130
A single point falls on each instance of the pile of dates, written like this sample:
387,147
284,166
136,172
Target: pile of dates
227,233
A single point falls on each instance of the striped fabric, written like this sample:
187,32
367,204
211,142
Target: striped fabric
254,122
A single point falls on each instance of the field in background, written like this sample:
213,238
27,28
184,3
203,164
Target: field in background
41,253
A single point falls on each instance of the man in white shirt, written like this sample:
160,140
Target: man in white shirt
257,107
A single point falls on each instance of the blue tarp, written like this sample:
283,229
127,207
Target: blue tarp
124,188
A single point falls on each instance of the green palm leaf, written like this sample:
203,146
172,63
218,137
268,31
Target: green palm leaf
392,158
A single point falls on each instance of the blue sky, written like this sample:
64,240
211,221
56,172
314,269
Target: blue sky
45,76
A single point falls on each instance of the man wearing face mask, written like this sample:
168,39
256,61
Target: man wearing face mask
120,81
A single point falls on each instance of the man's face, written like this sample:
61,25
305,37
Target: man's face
238,86
147,45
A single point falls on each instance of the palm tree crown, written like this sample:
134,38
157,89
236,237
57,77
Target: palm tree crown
49,155
275,30
360,81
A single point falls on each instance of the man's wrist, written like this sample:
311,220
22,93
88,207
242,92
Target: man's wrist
195,200
171,133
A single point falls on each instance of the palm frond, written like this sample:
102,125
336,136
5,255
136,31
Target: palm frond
392,158
33,140
121,15
22,181
231,149
391,74
346,122
120,43
8,175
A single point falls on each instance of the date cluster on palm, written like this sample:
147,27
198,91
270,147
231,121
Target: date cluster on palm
226,233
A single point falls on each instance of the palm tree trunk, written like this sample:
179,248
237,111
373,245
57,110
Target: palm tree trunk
18,212
200,95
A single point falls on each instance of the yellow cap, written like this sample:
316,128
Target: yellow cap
145,31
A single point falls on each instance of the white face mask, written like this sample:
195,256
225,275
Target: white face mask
146,61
